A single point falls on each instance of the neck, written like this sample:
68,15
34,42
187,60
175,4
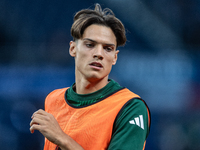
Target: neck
84,86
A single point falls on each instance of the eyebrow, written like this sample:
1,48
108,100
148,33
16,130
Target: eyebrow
87,39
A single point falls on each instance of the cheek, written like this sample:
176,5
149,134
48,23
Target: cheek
109,63
81,59
111,60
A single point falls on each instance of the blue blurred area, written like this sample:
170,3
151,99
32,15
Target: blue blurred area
160,62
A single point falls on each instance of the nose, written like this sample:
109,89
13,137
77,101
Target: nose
98,52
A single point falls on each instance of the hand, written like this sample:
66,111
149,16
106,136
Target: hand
47,125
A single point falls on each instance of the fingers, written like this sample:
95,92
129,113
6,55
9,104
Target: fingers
37,117
42,115
34,127
46,124
40,111
37,120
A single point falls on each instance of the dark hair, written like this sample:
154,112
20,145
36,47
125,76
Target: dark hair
105,17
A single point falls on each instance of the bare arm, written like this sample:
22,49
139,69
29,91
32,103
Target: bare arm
49,127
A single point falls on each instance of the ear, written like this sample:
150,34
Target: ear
72,48
115,57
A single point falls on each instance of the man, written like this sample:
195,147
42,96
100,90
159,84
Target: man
95,113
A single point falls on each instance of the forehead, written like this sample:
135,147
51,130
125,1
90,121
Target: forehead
100,33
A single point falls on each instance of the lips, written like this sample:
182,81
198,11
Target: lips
96,65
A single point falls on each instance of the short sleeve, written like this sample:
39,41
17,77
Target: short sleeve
131,126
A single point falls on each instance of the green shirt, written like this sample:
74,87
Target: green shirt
128,130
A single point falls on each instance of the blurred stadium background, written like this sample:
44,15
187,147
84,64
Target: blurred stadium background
160,62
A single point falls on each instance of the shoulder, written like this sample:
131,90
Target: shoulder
135,106
134,111
57,92
54,96
131,126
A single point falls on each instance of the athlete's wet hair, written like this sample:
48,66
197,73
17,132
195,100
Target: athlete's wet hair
105,17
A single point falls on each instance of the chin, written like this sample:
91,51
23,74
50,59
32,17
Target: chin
93,79
96,78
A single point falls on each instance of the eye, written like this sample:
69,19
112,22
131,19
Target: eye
89,45
108,48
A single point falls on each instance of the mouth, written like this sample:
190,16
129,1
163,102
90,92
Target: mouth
96,65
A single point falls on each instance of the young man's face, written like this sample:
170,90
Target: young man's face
95,53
